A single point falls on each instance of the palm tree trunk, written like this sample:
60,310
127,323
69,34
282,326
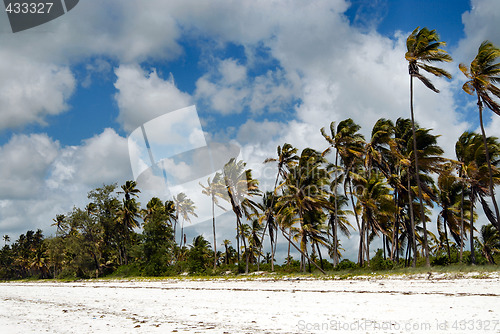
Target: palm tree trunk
447,241
300,251
367,243
289,244
213,226
486,150
417,176
360,228
472,255
412,233
267,223
462,225
320,257
335,222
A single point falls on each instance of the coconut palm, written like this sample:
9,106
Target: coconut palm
483,73
268,214
349,147
450,201
185,208
423,48
61,224
240,187
343,224
489,241
471,154
286,159
6,239
304,191
376,207
214,189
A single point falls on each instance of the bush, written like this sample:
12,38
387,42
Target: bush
346,264
379,263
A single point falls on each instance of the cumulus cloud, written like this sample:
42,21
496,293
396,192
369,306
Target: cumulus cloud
31,90
24,161
143,95
228,89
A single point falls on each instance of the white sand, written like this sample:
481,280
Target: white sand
253,306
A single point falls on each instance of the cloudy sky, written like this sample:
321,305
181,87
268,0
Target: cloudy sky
260,73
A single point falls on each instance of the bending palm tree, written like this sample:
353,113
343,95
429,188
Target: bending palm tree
423,47
287,158
240,185
482,75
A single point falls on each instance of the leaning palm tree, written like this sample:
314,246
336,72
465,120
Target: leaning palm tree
304,191
240,186
483,73
286,159
450,201
424,47
475,174
214,189
490,242
349,147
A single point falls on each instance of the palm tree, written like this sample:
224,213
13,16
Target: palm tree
60,224
423,47
214,189
483,73
6,239
450,200
129,189
240,187
229,251
126,218
304,191
375,205
472,156
348,144
184,207
489,242
287,158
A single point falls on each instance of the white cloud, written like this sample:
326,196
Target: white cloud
102,159
143,96
228,90
41,179
31,90
481,23
24,161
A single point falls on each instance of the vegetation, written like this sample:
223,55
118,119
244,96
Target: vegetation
386,185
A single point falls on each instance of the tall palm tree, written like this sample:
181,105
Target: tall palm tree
287,158
450,200
349,147
423,48
240,187
483,73
472,156
304,191
376,207
214,189
185,208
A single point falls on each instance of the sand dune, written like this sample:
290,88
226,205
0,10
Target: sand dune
397,305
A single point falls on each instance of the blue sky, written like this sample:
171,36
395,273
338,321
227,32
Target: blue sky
260,74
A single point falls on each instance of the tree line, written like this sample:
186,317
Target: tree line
384,187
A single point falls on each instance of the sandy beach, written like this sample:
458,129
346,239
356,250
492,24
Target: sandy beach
438,304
